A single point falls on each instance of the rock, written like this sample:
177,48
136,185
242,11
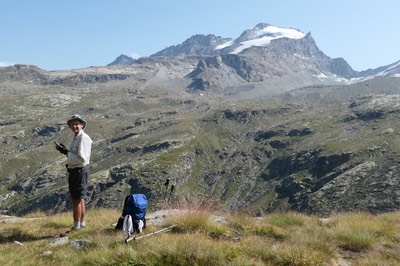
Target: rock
18,243
47,253
326,222
388,131
78,244
58,241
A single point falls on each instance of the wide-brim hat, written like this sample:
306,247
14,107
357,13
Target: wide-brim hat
79,118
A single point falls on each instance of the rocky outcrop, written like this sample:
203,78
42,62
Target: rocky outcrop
34,75
74,80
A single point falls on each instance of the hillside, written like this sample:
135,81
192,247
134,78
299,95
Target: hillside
317,150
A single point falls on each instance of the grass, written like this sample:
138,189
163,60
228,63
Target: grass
200,239
362,231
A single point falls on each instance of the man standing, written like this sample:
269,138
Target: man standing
78,167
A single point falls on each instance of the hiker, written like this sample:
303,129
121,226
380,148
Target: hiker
78,168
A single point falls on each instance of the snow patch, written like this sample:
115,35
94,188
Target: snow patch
268,34
221,46
334,77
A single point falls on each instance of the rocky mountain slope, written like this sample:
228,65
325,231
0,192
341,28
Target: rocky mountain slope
274,127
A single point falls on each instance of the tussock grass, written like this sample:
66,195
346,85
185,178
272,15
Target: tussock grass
270,231
286,219
191,221
199,239
285,254
217,231
355,240
239,221
362,231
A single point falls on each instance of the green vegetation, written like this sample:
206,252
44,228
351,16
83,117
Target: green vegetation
206,237
255,156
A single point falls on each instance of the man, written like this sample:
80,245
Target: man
78,167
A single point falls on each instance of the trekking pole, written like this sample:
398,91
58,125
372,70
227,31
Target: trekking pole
154,233
172,191
166,188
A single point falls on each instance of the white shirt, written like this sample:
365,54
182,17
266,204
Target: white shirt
79,151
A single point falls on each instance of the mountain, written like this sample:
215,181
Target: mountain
293,63
197,45
259,36
261,123
391,70
264,54
122,60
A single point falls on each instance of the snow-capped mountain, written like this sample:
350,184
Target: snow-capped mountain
202,45
262,59
266,52
261,35
391,70
260,54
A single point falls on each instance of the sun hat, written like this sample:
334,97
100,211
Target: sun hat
77,117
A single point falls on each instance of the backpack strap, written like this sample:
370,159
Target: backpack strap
124,211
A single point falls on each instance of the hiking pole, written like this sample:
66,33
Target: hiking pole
166,188
154,233
172,191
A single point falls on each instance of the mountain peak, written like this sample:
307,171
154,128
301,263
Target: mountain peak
198,44
261,35
122,60
261,25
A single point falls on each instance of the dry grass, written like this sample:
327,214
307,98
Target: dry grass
197,239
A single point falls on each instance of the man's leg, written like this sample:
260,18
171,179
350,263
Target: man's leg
77,212
84,181
83,213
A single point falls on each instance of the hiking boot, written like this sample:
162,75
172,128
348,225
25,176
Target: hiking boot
72,230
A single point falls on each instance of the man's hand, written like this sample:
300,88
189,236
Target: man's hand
61,148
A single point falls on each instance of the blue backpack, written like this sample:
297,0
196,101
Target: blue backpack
136,206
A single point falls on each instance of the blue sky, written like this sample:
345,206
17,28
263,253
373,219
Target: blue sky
55,34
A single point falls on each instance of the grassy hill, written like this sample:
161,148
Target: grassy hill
204,236
294,152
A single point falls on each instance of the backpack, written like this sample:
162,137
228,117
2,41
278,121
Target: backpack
136,206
